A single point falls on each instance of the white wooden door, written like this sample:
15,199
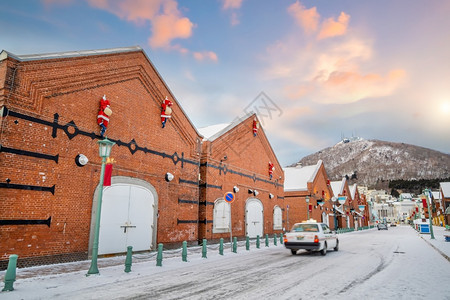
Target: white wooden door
126,219
254,218
325,219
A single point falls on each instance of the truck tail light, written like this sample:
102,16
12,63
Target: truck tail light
316,239
285,240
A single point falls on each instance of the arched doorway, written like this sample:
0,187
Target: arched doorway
128,216
254,218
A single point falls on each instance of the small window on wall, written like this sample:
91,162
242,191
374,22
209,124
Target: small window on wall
277,218
221,222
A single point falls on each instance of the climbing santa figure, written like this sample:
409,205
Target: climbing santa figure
103,115
271,169
255,126
166,111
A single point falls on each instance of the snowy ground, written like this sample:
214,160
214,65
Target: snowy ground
394,264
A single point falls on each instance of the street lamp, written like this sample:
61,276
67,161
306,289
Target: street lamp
427,195
104,152
307,207
334,199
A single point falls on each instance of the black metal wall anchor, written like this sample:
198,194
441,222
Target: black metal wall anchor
27,222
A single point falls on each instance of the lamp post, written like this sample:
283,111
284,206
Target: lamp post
427,195
104,152
307,207
334,199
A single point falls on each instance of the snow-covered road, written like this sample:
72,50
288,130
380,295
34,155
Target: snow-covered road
393,264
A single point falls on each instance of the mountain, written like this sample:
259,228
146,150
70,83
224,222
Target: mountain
372,162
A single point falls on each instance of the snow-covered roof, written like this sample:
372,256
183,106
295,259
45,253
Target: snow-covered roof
361,215
30,57
297,178
339,209
210,133
436,195
353,191
405,196
338,187
445,188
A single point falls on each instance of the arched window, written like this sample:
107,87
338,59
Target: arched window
277,218
221,222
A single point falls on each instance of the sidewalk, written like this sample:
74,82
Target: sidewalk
439,243
104,262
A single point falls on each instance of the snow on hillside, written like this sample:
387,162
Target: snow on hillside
371,160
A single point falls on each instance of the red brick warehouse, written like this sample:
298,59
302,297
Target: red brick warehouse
49,107
308,182
237,157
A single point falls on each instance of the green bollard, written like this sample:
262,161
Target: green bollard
247,243
221,246
159,257
267,240
184,252
204,249
275,238
235,244
128,260
257,242
281,239
10,275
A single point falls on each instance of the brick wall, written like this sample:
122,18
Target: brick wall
50,117
317,190
247,167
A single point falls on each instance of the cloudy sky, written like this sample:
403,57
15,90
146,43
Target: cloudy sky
313,70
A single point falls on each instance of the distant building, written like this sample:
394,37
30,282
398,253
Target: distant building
444,189
341,189
403,210
405,196
308,182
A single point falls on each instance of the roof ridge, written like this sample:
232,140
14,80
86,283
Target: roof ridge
68,54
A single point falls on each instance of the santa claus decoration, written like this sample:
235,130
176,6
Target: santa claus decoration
103,115
166,111
255,126
271,169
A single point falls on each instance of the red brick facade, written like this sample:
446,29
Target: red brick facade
237,158
319,192
49,110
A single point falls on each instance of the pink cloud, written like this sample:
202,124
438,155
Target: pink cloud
168,27
135,11
331,28
294,92
232,4
308,19
205,55
167,22
352,86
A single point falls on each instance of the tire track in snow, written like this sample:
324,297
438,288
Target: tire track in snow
380,267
